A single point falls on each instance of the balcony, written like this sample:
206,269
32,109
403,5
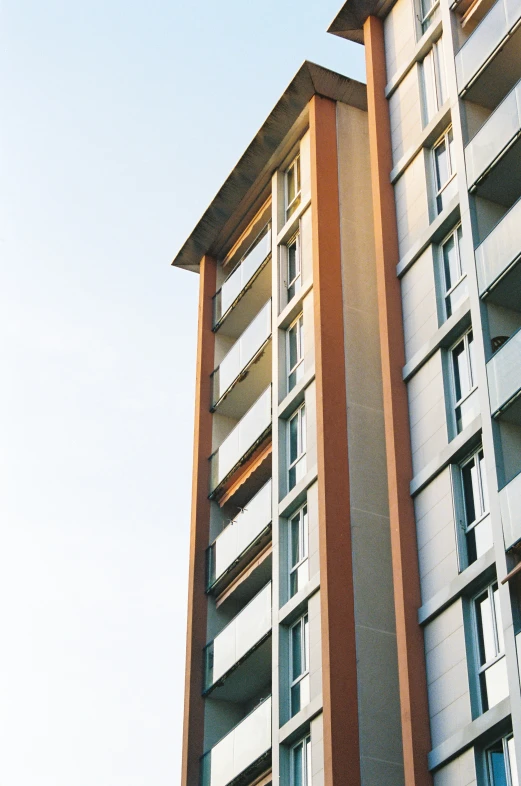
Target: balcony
243,275
496,259
242,635
496,136
509,500
243,354
489,36
243,752
241,539
504,378
242,440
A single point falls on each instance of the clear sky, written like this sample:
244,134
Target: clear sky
119,121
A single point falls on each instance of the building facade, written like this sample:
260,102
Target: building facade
444,82
356,522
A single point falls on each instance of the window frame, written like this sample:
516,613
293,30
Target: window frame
300,415
291,206
303,623
290,370
447,139
434,76
456,234
303,535
306,772
426,17
456,403
297,278
478,635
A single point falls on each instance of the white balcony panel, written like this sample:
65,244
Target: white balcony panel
500,248
242,274
244,350
242,633
510,501
243,531
504,373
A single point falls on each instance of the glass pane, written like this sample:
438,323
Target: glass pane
295,698
293,439
499,625
483,478
303,430
292,477
292,261
512,762
290,184
487,643
496,765
469,474
308,761
298,762
305,644
431,105
440,72
293,346
450,262
461,373
305,530
441,165
496,683
295,540
296,651
293,583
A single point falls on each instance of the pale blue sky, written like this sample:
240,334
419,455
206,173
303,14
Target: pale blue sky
119,121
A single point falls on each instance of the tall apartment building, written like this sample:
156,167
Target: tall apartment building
444,104
354,602
291,661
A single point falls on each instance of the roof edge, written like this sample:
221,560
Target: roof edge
349,22
311,79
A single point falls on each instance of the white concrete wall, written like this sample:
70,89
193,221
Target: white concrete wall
315,647
427,413
317,751
405,114
412,205
447,675
400,36
420,312
458,772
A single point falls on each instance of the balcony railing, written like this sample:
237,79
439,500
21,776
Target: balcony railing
242,275
503,125
499,249
504,373
487,36
509,499
241,439
242,747
242,634
240,534
242,352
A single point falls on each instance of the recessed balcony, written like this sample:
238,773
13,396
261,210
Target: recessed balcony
241,441
497,260
504,380
510,502
497,135
494,34
243,753
248,358
243,276
241,540
244,634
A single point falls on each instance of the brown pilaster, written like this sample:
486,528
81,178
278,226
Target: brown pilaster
411,657
199,531
339,682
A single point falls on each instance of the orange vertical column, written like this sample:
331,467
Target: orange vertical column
339,680
407,599
193,728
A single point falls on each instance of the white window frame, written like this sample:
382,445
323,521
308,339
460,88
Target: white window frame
425,16
449,288
481,504
457,403
296,281
447,139
303,623
300,415
434,80
298,323
291,206
303,547
509,760
305,773
499,644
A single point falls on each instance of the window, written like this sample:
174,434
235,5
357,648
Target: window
444,174
294,269
428,9
295,351
478,531
298,550
434,81
501,763
454,279
490,648
301,763
292,187
299,659
297,447
464,386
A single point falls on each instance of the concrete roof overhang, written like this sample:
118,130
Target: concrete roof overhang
349,22
254,165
